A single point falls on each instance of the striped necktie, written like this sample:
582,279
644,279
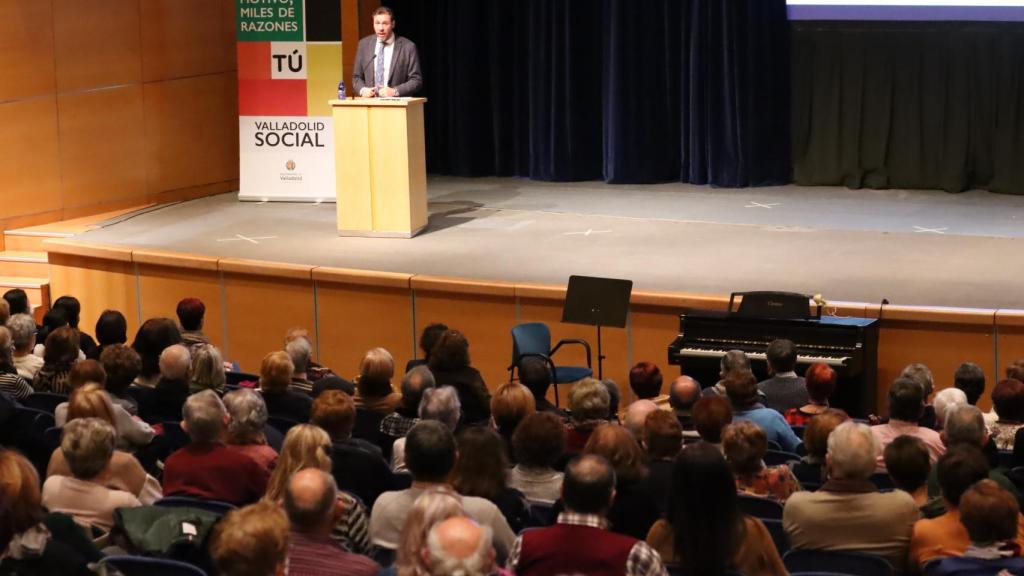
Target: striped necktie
379,75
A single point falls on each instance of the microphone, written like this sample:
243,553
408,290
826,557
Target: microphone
885,302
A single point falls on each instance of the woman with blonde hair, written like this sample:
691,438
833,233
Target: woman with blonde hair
373,385
207,371
433,506
308,446
275,384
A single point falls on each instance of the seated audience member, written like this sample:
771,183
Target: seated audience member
645,381
33,540
784,390
73,313
164,403
17,302
922,375
314,371
431,455
580,542
538,443
634,508
510,404
11,383
301,353
741,388
433,506
152,338
1016,370
682,395
207,369
248,420
450,364
439,404
111,329
662,440
87,445
251,541
970,378
23,338
711,415
535,374
375,398
428,338
60,354
589,404
308,446
358,465
635,416
906,402
823,520
332,382
275,379
1008,401
207,468
459,547
704,531
958,470
311,502
906,460
745,446
946,399
397,424
122,365
480,471
732,361
92,401
52,320
5,312
991,517
820,380
810,470
191,313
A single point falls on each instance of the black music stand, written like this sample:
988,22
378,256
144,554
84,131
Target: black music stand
597,302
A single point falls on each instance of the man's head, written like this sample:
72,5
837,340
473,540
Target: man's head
683,394
430,451
946,399
989,513
310,500
733,361
122,365
645,380
23,332
970,378
204,417
906,460
459,547
88,444
589,485
190,314
335,412
636,415
383,22
964,425
174,362
414,383
589,400
781,356
248,415
17,301
959,468
852,450
710,416
906,400
441,405
252,541
300,351
535,374
663,435
922,375
741,388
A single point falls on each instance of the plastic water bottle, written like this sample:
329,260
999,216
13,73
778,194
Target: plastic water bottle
341,90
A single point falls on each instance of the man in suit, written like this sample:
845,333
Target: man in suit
386,66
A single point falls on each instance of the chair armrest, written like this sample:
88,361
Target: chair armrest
577,341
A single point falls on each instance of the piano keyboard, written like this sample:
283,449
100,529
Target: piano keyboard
715,353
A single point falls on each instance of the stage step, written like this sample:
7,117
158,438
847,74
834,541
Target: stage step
29,240
21,263
38,290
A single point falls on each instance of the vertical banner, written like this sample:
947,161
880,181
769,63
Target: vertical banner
289,65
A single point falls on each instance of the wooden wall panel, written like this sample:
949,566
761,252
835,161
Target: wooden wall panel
191,131
182,38
97,43
259,311
102,149
1010,345
100,284
162,287
26,42
30,156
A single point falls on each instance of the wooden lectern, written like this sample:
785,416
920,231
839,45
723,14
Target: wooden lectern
381,177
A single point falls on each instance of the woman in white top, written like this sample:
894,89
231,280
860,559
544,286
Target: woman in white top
538,443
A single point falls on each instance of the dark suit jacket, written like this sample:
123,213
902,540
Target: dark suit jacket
404,75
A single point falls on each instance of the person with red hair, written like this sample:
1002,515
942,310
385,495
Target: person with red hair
820,380
191,312
645,380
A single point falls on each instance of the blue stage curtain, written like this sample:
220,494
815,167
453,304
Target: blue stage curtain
621,90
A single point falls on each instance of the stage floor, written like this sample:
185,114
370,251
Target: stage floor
912,247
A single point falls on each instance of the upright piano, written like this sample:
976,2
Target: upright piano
848,345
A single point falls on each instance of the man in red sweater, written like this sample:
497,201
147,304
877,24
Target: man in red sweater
579,543
207,468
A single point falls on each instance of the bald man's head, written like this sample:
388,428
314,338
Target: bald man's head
684,393
309,500
636,415
174,362
459,546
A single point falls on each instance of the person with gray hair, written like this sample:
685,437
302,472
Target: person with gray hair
589,405
301,352
208,468
246,426
848,512
23,336
732,362
947,398
11,383
459,547
440,404
164,403
88,446
414,383
921,374
636,416
311,503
